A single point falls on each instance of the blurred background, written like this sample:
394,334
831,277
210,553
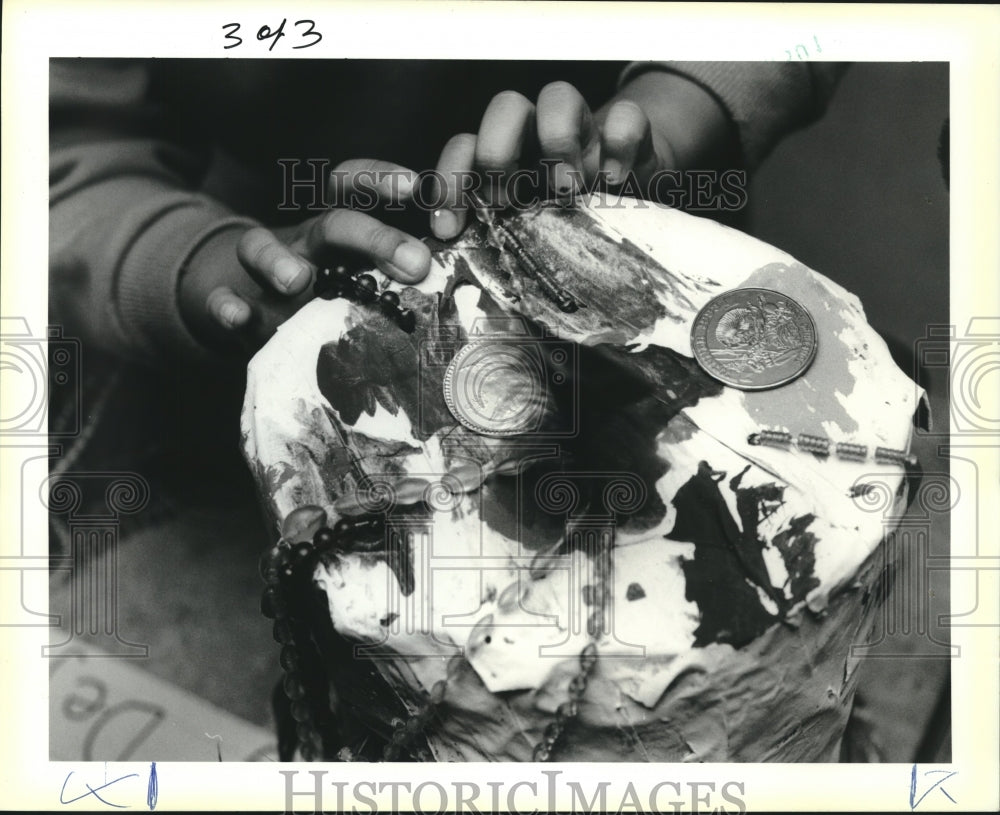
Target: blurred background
860,196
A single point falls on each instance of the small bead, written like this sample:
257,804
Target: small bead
342,528
325,286
855,452
266,609
282,632
390,752
400,737
366,288
306,733
566,711
289,658
300,712
301,552
552,732
324,538
272,558
406,320
294,689
389,301
541,752
272,604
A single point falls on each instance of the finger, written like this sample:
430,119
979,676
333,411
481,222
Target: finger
454,181
506,127
365,183
627,139
271,263
227,309
400,256
566,132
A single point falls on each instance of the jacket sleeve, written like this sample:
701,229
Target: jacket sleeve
765,100
125,213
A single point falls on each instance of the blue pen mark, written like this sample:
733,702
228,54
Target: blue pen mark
92,791
153,790
914,800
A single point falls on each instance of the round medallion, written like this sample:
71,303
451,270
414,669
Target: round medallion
496,388
753,339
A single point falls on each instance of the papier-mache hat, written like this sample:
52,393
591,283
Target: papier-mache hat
524,522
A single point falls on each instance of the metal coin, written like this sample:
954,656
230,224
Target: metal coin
495,388
753,339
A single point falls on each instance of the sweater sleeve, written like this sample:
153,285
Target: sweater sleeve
125,214
765,100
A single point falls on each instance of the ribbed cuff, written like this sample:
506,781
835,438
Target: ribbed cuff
765,100
149,276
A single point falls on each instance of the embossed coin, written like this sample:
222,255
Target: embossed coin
753,338
495,388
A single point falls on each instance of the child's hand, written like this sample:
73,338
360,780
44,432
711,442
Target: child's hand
245,285
658,121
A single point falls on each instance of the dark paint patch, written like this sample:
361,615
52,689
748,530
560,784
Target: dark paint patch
621,399
798,549
716,578
796,544
580,256
634,592
754,504
622,405
375,363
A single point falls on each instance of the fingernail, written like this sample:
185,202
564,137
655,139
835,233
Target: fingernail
612,170
444,223
230,312
287,271
405,185
410,258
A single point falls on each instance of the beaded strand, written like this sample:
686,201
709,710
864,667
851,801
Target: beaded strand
293,554
338,282
822,446
502,238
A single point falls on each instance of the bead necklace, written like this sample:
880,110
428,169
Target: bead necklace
338,282
306,540
823,447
